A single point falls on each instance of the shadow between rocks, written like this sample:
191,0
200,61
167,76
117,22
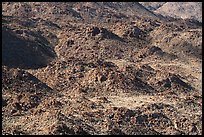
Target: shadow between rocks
18,52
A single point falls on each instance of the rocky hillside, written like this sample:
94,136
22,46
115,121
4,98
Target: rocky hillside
152,5
107,68
184,10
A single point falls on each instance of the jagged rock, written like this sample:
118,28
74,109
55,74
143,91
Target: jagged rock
93,31
133,32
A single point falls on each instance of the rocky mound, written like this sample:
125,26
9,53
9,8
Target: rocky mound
190,45
102,68
154,52
102,33
21,91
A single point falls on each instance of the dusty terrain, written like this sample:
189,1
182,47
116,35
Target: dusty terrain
99,68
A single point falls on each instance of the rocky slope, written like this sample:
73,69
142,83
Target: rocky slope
152,5
184,10
99,68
